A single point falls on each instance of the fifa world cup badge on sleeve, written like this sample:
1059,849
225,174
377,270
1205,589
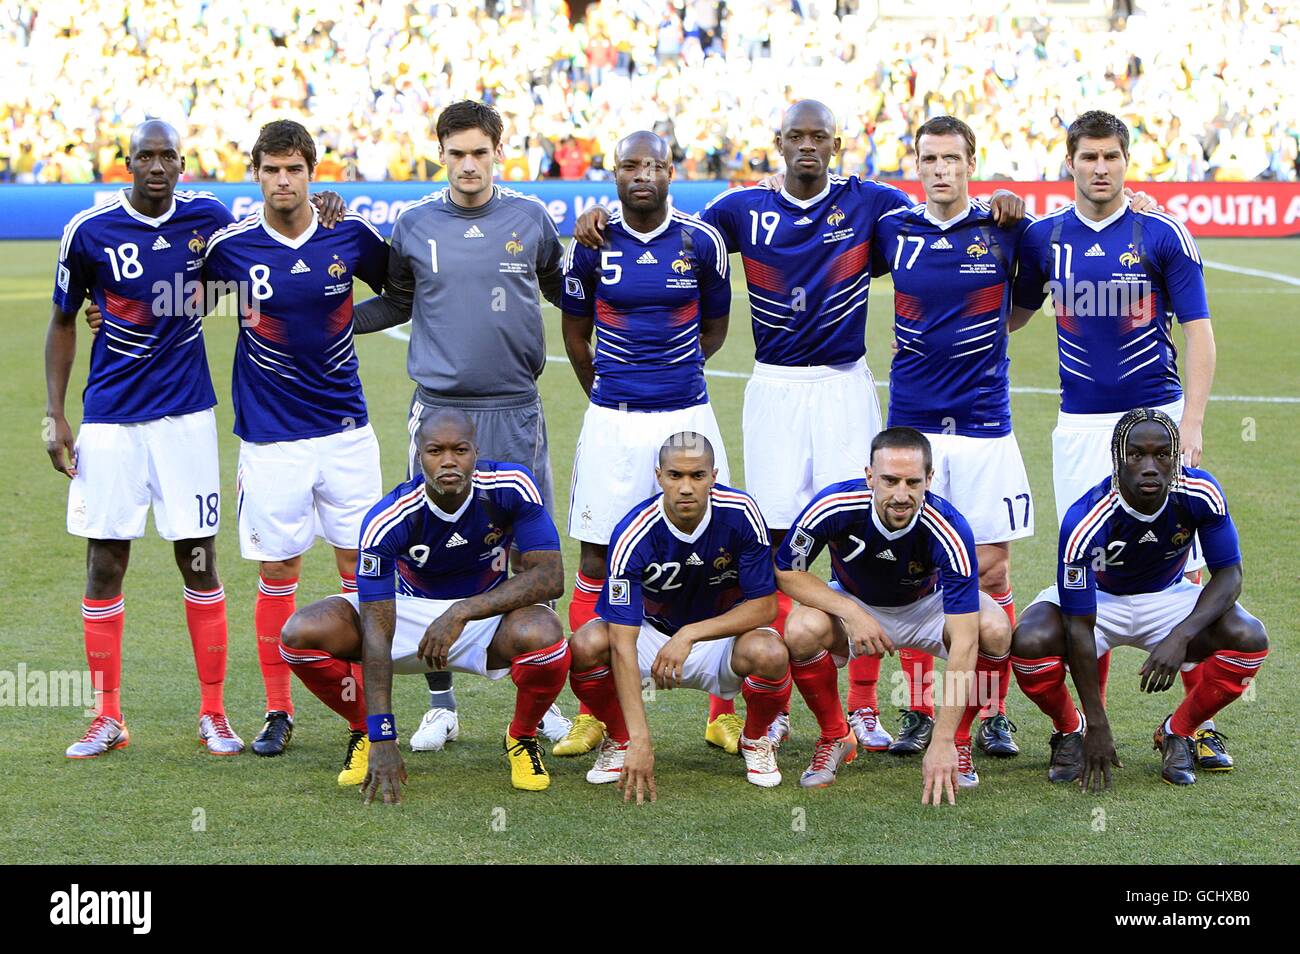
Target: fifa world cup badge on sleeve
573,288
64,278
801,542
1074,579
619,594
369,565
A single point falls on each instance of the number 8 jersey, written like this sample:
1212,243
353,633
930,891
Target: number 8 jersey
148,360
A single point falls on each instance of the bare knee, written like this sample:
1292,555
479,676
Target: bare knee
762,653
589,646
1040,633
995,628
1241,632
807,632
591,561
995,568
529,629
106,562
297,631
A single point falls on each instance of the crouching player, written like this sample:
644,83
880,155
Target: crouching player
1123,547
903,575
688,599
446,534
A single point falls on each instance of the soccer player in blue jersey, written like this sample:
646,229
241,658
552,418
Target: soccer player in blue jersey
148,435
1123,548
657,296
688,600
308,459
810,407
435,593
904,574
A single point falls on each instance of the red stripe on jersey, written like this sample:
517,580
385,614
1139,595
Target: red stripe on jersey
266,326
1139,314
1083,530
338,318
945,530
610,316
983,300
128,309
1066,321
684,315
908,307
763,276
832,501
850,263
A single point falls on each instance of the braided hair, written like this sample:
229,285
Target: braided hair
1132,419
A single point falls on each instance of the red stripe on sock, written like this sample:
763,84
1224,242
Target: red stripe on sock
331,680
1223,677
1043,681
764,699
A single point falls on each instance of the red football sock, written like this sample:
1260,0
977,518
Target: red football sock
205,615
783,606
1103,674
539,676
274,606
1043,681
763,700
864,673
582,605
102,622
596,691
1007,601
988,672
720,706
819,685
1224,676
918,668
1191,679
347,583
331,680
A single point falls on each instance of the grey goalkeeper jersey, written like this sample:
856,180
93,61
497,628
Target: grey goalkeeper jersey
467,279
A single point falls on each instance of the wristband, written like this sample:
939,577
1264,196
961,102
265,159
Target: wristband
383,727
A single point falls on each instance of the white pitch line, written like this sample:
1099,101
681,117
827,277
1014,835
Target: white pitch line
1253,272
401,335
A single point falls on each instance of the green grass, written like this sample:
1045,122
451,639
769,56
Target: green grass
142,804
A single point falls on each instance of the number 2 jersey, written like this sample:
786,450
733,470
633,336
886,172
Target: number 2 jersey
657,573
884,567
295,372
807,266
952,296
409,546
647,294
1107,545
148,360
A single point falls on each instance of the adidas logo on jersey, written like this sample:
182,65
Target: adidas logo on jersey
473,232
1149,537
647,259
694,560
161,243
887,555
941,243
1095,251
299,267
804,221
457,540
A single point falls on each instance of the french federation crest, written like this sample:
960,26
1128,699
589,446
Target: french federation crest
514,246
977,249
1131,257
836,217
337,268
197,244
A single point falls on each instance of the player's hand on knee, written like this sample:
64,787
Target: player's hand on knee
1098,756
590,227
867,636
386,774
436,645
61,447
94,318
670,662
638,773
939,772
1162,666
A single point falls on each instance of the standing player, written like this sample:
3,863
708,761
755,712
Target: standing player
904,574
434,593
1116,276
1123,548
465,268
658,297
810,407
148,435
688,599
308,458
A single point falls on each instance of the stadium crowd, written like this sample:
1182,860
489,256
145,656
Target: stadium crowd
1206,85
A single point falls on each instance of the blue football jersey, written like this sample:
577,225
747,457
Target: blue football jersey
658,574
148,360
952,296
409,546
295,367
1114,286
1105,544
883,567
807,266
648,294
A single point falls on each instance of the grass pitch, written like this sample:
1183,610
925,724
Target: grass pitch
164,800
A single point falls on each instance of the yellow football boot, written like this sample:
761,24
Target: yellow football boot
724,732
527,772
584,735
357,760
